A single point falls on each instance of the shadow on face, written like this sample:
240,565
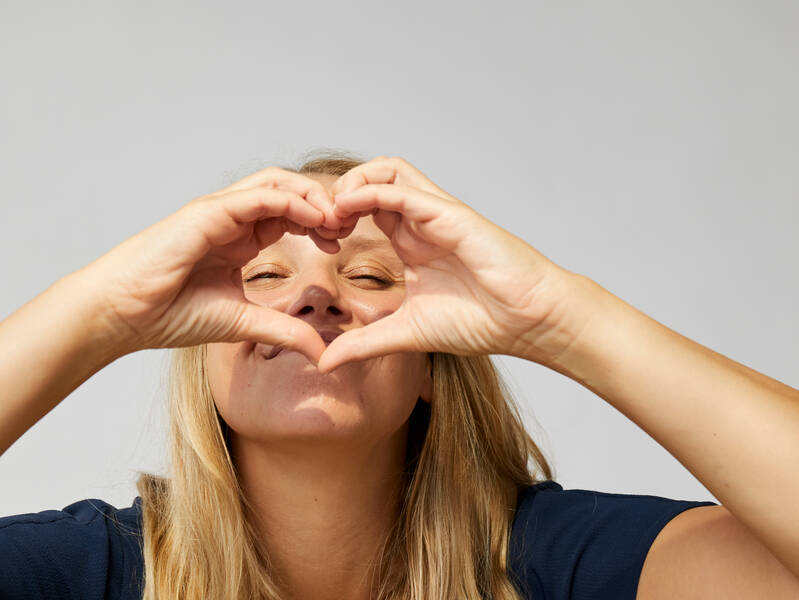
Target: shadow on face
284,399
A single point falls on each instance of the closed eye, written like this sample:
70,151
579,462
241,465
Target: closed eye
269,275
380,279
261,276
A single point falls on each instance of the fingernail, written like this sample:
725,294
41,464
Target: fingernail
328,234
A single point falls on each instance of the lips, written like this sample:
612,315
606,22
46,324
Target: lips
327,335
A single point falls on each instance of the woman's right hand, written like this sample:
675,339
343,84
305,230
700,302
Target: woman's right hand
178,282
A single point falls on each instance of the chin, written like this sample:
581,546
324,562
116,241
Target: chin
314,412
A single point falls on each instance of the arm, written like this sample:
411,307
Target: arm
48,347
477,289
175,284
735,429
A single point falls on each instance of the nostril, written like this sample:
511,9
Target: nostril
331,309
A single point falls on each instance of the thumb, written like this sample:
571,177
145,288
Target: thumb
385,336
270,326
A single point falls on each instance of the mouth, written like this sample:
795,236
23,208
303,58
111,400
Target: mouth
327,335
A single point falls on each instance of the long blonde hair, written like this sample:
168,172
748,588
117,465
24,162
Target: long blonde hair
468,454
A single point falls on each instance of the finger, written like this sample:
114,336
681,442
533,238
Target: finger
269,326
385,336
290,227
328,234
221,218
345,232
325,245
391,170
387,221
352,220
267,232
275,177
347,226
255,179
338,234
414,203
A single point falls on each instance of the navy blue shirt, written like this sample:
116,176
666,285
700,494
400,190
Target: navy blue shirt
565,545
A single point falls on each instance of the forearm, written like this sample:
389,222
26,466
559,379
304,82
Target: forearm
735,429
48,347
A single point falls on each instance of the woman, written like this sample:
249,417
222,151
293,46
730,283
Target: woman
338,430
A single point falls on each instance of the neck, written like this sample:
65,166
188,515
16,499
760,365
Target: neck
323,510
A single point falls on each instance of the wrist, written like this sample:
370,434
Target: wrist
103,339
592,331
569,335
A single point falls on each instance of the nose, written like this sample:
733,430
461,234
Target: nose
319,307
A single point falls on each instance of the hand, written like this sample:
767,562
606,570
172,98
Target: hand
471,287
178,283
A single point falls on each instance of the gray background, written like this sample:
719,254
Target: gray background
651,146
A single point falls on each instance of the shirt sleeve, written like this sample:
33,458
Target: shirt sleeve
77,552
582,544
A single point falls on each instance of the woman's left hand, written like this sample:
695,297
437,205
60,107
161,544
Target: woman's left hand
471,287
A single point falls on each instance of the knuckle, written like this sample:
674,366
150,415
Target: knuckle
272,170
318,187
399,166
272,173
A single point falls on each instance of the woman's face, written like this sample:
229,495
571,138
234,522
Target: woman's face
285,398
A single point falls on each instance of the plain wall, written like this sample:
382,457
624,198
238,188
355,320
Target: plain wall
650,146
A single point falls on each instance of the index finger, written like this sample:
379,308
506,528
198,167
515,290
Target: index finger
384,169
276,178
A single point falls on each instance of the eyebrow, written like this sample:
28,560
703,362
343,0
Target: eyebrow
381,245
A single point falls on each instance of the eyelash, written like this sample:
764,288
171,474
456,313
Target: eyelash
373,277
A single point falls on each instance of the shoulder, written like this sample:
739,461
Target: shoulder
709,553
82,512
578,543
87,549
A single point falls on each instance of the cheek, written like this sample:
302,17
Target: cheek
394,385
367,309
221,360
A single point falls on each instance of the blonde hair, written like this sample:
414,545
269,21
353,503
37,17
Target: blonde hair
468,454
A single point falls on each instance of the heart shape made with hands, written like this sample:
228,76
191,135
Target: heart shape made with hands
341,225
389,190
471,287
